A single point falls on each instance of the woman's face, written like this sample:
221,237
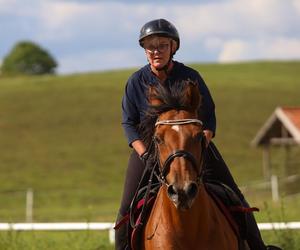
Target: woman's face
158,50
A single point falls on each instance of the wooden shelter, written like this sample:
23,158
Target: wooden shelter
281,129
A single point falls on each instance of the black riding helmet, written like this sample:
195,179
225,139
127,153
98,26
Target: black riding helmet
160,27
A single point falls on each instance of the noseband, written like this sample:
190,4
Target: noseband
181,153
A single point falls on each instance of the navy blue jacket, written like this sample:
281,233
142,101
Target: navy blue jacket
134,103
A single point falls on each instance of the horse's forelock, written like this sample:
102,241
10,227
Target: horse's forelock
179,95
161,98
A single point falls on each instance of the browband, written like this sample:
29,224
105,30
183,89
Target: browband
178,122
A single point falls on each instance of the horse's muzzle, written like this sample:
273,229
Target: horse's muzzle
183,197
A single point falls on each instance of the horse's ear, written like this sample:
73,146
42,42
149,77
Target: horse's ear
153,96
193,95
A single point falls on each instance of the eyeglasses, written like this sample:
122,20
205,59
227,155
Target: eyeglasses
151,48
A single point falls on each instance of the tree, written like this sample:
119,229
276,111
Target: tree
28,58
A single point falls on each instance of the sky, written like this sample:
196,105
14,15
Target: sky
90,35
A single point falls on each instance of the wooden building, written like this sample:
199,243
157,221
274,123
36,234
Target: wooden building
281,129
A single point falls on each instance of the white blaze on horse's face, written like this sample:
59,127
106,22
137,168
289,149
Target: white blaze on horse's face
175,127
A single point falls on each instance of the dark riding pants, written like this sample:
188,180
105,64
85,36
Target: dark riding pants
216,169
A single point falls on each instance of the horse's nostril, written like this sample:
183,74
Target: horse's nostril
191,190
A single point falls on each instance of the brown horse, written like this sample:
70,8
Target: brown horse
184,216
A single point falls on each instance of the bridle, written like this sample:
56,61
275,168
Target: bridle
163,170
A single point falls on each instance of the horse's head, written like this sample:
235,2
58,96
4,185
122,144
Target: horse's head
179,138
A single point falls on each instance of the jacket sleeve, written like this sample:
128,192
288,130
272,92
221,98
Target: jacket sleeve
130,113
207,108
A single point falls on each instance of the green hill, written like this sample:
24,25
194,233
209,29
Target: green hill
62,137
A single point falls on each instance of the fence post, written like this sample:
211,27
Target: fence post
274,188
111,234
29,205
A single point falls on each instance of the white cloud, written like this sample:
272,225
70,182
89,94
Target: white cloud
276,48
234,50
212,43
6,6
56,14
194,20
283,48
59,20
296,4
18,8
236,18
101,60
76,19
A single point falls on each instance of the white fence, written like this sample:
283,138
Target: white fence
59,226
279,225
273,185
73,226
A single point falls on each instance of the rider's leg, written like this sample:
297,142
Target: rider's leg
216,169
134,173
121,236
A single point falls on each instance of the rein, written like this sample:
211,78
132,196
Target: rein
181,153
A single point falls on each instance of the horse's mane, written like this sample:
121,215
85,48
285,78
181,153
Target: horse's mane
170,97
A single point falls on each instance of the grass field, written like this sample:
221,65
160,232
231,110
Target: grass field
61,136
87,240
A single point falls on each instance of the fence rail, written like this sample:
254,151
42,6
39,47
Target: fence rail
109,226
57,226
61,226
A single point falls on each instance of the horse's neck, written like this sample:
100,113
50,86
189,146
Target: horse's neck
201,227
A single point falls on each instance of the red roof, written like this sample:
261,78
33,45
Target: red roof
293,114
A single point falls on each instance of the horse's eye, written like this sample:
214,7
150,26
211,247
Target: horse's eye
158,140
199,136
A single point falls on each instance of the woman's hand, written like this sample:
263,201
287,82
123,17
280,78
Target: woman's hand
139,147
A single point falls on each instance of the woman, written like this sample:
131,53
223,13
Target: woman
160,40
